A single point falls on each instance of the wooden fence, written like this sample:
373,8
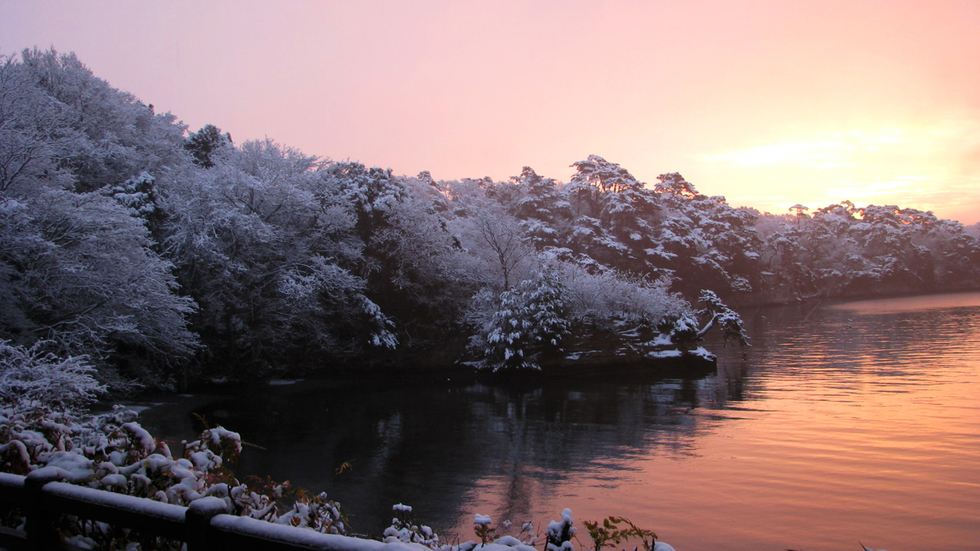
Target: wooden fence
203,525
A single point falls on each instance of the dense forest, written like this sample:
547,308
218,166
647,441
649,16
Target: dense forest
161,255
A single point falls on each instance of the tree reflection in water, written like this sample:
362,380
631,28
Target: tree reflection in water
824,431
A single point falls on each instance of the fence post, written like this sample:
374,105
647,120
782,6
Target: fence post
197,519
40,523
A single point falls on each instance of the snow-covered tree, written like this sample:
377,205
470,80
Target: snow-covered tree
79,271
425,285
32,378
115,231
718,313
842,250
542,209
674,184
267,243
205,143
119,135
36,133
524,322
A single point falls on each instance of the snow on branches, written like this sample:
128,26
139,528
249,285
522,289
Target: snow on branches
526,321
32,378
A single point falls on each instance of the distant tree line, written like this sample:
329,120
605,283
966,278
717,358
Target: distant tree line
160,255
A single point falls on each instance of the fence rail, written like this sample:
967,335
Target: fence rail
203,525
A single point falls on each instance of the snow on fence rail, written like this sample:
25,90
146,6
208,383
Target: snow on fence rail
203,525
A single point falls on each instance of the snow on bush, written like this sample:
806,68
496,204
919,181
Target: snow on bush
32,377
481,520
560,533
113,452
518,325
405,530
607,298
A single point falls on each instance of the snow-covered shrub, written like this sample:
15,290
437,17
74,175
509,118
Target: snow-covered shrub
515,327
607,298
113,452
314,512
683,331
404,529
484,529
32,378
560,533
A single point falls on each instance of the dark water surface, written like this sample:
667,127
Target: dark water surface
846,422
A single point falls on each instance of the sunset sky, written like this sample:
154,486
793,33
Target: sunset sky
768,103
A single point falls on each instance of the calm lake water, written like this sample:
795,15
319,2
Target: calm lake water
843,422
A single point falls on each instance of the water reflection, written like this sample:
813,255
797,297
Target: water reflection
840,423
912,304
427,445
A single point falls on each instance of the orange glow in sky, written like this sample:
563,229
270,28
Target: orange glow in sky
767,103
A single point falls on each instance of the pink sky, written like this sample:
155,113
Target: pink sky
768,103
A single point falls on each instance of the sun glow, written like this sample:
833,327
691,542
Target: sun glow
921,166
828,150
